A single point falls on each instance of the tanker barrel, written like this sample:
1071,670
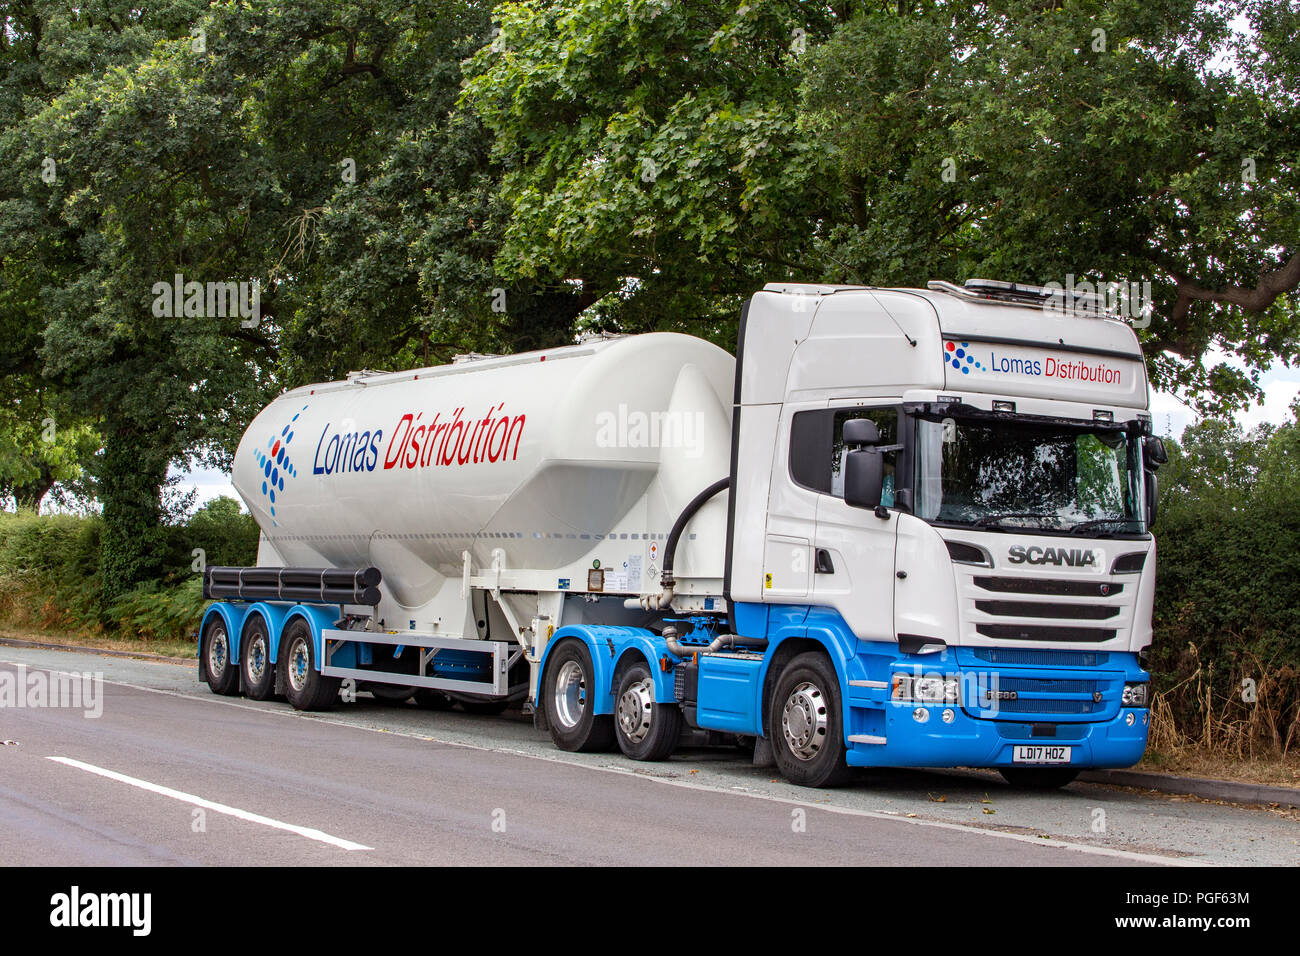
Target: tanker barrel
318,585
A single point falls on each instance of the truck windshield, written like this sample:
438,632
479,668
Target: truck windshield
1014,475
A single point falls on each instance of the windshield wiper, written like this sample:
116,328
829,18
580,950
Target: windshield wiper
989,519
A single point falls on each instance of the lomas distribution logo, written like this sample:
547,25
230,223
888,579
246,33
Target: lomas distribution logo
276,464
960,357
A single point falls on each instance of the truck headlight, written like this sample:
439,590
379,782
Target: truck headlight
926,689
1136,695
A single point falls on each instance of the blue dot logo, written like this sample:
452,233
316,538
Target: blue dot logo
276,464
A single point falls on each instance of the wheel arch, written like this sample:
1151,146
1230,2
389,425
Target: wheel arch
611,649
273,616
837,643
318,620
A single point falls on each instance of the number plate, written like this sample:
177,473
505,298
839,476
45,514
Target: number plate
1041,754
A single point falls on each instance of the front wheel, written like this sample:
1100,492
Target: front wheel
304,685
1038,778
567,695
645,730
807,723
219,670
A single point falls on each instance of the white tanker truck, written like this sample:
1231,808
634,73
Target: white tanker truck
902,527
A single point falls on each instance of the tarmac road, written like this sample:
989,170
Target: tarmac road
169,774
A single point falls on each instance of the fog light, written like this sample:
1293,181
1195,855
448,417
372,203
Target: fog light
1145,718
1130,719
948,715
920,715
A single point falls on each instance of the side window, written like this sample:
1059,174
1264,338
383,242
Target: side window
817,447
886,420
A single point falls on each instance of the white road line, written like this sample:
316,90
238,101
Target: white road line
561,758
308,832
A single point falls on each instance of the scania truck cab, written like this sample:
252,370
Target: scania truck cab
903,527
957,485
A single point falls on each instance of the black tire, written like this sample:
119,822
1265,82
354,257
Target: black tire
567,697
391,695
219,671
486,708
256,669
807,723
1038,778
644,729
304,685
431,699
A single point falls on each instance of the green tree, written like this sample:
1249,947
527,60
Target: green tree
910,141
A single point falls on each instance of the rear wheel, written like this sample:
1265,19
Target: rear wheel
1038,778
568,696
255,661
304,685
807,729
218,669
645,730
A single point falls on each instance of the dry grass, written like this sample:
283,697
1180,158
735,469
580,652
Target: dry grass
130,645
1191,762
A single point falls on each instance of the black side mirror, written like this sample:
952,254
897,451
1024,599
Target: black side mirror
1153,449
861,431
864,475
1152,497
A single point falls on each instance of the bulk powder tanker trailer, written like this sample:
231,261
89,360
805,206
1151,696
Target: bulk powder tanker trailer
901,528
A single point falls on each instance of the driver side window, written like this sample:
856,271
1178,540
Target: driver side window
817,450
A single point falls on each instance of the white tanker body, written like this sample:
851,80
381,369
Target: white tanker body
556,459
816,556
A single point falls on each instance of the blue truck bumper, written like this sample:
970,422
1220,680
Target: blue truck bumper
972,742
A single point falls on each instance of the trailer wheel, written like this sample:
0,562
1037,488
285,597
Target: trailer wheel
645,730
219,670
567,697
304,685
255,661
1038,778
806,718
